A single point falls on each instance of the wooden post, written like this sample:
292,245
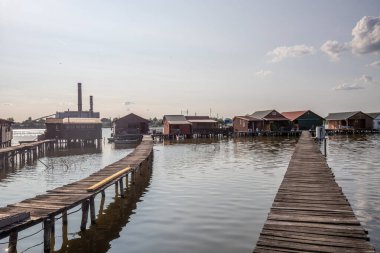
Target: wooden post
85,205
133,177
116,188
47,235
121,187
64,217
126,180
12,245
92,210
102,200
324,146
103,193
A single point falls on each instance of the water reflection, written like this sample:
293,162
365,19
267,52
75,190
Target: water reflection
110,221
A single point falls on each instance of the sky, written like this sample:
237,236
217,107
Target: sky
205,57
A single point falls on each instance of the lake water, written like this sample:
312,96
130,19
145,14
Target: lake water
202,196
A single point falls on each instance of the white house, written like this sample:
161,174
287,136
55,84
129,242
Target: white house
376,119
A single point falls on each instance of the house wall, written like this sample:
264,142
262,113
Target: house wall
376,123
240,125
74,131
356,121
309,120
131,124
203,125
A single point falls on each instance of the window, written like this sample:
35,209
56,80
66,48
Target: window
274,113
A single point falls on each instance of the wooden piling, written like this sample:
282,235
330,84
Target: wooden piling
92,210
47,235
12,245
85,205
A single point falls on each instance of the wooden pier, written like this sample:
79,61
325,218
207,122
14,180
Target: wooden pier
24,153
310,212
57,202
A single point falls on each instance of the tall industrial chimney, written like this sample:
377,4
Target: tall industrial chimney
79,97
91,105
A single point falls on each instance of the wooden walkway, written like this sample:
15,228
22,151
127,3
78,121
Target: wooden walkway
26,152
43,208
310,212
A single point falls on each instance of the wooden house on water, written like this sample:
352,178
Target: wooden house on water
6,135
244,124
304,120
376,119
76,128
75,131
349,121
270,120
130,124
176,125
202,124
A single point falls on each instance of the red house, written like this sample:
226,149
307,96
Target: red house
176,124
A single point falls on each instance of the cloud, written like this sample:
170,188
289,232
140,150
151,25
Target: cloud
374,64
7,104
263,73
333,49
128,103
366,36
365,79
281,53
346,86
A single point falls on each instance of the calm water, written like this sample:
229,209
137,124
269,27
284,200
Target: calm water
201,197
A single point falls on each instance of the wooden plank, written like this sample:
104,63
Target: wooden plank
6,220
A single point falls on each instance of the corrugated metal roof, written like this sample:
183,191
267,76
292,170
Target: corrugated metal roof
293,115
196,117
202,121
248,118
261,114
176,119
374,114
340,115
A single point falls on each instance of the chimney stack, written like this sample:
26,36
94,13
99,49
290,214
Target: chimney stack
91,105
79,97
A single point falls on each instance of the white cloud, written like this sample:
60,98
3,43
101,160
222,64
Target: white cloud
346,86
7,104
366,36
333,49
366,79
263,73
374,64
281,53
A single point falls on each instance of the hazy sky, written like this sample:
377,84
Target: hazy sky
160,57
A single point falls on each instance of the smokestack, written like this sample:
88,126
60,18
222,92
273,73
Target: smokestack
91,105
79,97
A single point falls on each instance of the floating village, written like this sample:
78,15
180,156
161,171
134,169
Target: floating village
310,212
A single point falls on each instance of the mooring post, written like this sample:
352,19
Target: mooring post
126,180
47,235
92,210
12,245
85,205
325,146
133,177
121,187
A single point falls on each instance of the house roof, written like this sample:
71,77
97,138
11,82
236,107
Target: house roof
202,121
134,116
341,115
73,121
176,119
248,118
267,115
293,115
196,117
374,114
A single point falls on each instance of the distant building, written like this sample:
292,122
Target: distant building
349,120
176,124
130,124
87,130
202,124
80,113
5,133
269,120
376,119
304,120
